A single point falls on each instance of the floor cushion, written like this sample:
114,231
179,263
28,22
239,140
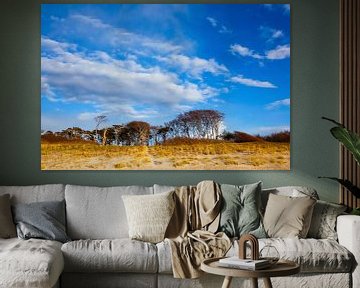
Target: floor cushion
30,263
115,255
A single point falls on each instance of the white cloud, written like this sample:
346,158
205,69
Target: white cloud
267,130
280,52
251,82
270,34
194,66
277,34
94,22
86,116
118,86
224,30
212,21
278,104
215,23
268,6
105,34
244,51
57,19
286,8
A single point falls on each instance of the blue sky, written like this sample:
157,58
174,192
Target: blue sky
150,62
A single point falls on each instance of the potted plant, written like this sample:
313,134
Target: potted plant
351,141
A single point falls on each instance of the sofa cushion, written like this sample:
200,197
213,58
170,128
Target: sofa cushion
313,255
323,222
287,216
36,193
291,191
240,210
30,263
42,220
117,255
149,215
98,213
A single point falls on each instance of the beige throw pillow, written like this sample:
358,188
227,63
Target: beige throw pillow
148,215
288,217
7,226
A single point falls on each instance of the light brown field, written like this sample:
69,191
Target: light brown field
200,156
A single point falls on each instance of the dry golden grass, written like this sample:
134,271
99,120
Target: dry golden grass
198,156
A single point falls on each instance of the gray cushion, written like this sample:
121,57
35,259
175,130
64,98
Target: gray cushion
30,263
7,227
323,222
98,213
36,193
44,220
240,213
117,255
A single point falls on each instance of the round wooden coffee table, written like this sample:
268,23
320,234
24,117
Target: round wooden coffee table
281,268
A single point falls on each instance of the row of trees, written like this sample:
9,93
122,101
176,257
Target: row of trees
195,124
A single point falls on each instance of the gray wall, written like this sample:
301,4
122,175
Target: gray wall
314,93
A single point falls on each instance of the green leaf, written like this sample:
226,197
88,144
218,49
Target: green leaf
348,138
347,184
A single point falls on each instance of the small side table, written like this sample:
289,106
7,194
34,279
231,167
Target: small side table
281,268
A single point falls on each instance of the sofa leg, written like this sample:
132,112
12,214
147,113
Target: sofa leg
254,282
267,283
227,282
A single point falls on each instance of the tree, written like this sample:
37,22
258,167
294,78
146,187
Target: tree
139,132
99,120
197,124
117,132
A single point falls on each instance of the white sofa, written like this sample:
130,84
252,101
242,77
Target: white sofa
101,255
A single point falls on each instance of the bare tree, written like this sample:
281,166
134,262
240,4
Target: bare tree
99,120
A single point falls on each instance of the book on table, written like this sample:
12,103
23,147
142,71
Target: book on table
236,262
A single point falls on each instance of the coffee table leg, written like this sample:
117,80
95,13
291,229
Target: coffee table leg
254,282
227,282
267,283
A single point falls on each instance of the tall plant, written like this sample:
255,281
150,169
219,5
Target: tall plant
351,141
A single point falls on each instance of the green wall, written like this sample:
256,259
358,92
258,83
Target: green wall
314,93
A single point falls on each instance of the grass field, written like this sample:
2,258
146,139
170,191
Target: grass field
81,155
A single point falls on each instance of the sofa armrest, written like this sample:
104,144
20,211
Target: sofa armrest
348,230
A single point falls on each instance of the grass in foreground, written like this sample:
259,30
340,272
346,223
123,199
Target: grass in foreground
80,155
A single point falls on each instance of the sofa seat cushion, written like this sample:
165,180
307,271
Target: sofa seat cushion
115,255
313,255
30,263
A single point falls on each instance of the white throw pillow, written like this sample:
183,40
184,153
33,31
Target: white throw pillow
149,215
